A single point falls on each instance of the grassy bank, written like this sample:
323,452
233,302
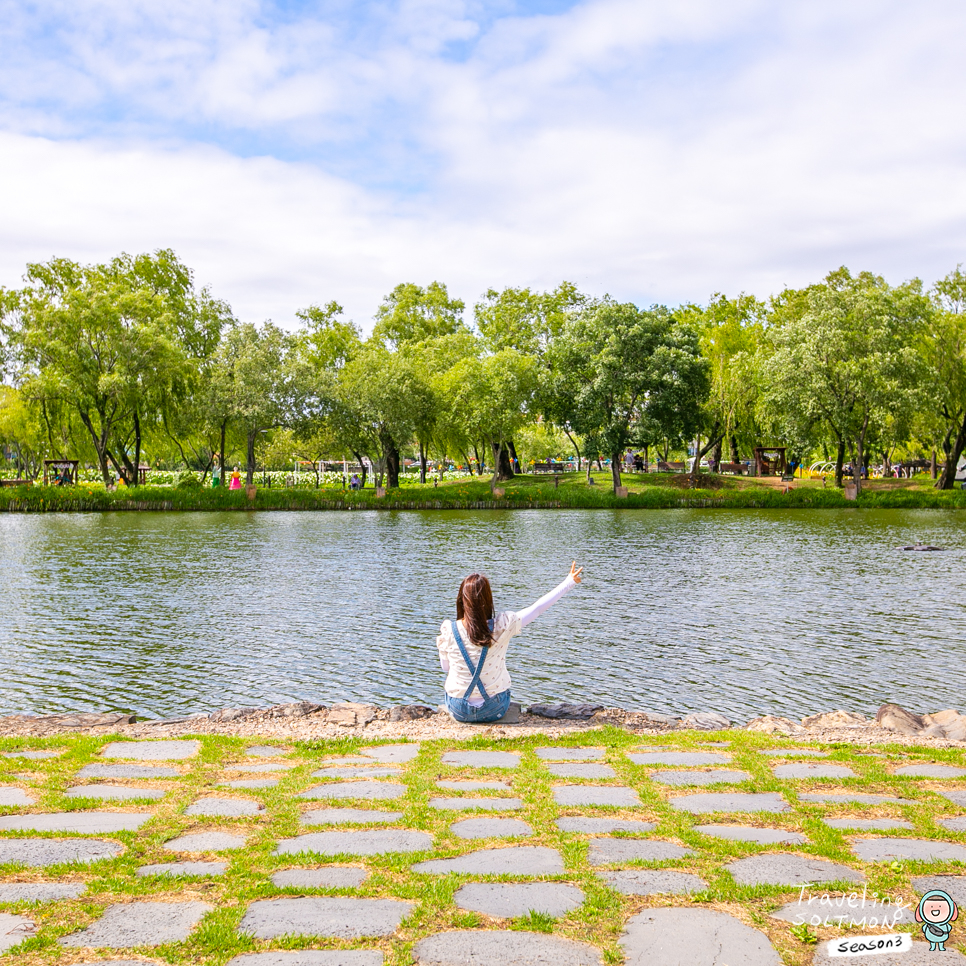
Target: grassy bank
654,491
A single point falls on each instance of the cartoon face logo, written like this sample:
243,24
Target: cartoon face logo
937,911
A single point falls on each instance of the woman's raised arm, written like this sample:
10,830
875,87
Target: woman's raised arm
568,583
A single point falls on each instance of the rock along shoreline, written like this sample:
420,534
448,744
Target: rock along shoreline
307,720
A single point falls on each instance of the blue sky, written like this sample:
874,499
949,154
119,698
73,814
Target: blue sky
297,152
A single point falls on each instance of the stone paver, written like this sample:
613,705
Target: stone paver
576,795
930,771
602,826
795,753
694,937
85,822
476,947
184,868
324,916
749,833
40,891
789,870
844,798
919,955
14,930
114,793
955,824
14,797
682,758
924,850
468,786
374,791
205,842
395,753
956,797
31,755
355,816
507,900
129,924
711,777
609,851
481,759
807,769
730,802
262,767
98,770
152,750
570,754
524,860
252,783
484,804
825,910
375,771
650,882
226,807
43,852
369,842
578,770
333,877
310,957
867,824
483,828
955,885
266,751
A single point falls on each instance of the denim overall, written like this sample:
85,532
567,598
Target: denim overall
492,709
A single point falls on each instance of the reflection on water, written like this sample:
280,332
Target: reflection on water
744,612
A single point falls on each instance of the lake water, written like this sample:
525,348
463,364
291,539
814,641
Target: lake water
743,612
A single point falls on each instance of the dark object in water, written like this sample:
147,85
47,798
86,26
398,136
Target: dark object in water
922,547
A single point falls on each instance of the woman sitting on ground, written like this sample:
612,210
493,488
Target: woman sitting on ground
472,649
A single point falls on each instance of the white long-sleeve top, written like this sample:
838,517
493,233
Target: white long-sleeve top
495,677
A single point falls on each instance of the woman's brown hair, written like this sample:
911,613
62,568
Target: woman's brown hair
474,607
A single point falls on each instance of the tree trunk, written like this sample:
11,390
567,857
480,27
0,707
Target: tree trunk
954,450
137,450
221,455
422,462
933,469
716,456
734,448
479,465
858,462
615,470
250,465
700,451
362,467
515,464
573,443
391,457
886,465
100,443
839,463
502,470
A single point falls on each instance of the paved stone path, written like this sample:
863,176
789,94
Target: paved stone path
790,870
118,793
346,816
333,877
130,924
484,828
32,755
524,860
694,937
507,900
374,848
370,842
650,882
14,930
324,916
475,948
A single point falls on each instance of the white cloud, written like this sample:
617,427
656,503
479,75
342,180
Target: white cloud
657,151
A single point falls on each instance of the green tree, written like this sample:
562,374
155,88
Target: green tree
410,314
848,356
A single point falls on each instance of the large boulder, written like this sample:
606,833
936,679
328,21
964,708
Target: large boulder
893,718
835,719
771,724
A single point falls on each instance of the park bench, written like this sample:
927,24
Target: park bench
16,482
738,469
670,467
549,467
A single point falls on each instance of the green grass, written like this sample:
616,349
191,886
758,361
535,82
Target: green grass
599,920
651,491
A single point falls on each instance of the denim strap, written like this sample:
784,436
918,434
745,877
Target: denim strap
475,671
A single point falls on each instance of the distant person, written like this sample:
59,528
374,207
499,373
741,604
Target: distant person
235,483
472,648
355,483
215,477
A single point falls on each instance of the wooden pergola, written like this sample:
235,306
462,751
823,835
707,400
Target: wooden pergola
770,460
64,472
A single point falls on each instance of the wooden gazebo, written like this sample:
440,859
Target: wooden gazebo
64,472
770,461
